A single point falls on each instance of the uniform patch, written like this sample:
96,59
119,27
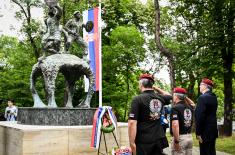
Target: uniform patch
155,107
131,115
174,116
187,117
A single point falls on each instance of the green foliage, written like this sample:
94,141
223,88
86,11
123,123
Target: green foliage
188,28
120,13
120,68
14,75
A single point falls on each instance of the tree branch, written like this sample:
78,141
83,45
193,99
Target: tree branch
166,52
22,8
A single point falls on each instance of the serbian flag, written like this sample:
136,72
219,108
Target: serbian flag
93,40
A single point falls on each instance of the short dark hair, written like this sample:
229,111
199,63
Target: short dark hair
11,100
147,83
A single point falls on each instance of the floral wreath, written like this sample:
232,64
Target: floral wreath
107,125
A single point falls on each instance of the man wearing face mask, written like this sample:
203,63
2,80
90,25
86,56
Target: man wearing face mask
146,134
181,123
205,116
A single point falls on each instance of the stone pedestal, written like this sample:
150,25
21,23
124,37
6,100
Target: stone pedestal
56,116
17,139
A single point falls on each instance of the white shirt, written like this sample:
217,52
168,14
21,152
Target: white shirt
11,113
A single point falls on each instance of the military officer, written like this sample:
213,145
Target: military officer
205,116
181,123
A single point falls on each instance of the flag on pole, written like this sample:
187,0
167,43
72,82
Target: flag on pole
93,39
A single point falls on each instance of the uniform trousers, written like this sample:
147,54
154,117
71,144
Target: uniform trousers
186,144
207,148
152,148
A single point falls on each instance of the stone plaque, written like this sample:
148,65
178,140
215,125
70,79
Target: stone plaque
55,116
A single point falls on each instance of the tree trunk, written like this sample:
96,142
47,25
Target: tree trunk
63,14
27,14
166,52
191,85
128,90
228,75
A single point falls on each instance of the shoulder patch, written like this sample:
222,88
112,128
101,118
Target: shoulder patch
131,115
174,116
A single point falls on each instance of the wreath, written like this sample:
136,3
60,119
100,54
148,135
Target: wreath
107,125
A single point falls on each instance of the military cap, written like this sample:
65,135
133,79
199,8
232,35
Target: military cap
207,82
146,76
180,90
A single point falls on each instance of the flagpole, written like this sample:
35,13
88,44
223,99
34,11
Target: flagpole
100,58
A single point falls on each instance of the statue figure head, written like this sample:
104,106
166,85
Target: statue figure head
77,15
51,12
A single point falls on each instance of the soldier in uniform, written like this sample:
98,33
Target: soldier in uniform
181,123
146,134
205,116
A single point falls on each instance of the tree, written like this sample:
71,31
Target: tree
14,79
30,26
209,27
166,52
122,56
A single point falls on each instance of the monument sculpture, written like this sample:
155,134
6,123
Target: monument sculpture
55,60
52,37
71,30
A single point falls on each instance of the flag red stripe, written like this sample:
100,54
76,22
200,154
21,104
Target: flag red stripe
96,40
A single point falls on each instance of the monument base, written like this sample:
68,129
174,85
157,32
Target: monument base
17,139
55,116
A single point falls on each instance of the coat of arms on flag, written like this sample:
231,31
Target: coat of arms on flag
93,40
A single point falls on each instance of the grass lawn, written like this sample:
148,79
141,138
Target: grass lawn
223,144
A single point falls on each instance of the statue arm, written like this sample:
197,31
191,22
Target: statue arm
44,30
58,12
67,27
74,26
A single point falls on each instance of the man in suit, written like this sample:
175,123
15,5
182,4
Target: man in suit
205,117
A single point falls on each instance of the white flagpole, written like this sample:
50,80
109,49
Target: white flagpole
100,57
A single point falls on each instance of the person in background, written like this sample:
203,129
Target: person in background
181,119
11,111
146,135
205,117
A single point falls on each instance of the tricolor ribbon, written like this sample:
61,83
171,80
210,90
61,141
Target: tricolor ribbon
97,123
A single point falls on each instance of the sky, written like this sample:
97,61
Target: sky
10,26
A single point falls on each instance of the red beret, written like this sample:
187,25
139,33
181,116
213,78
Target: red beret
180,90
146,76
208,82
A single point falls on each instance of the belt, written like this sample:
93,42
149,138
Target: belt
188,133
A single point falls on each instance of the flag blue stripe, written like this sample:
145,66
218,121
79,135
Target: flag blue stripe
91,45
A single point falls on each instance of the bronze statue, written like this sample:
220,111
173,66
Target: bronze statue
72,67
72,33
52,37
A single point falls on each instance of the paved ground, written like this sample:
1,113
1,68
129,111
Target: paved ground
195,151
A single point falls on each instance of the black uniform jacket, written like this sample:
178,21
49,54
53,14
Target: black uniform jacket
205,116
